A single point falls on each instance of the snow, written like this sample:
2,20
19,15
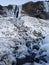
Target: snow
27,64
40,26
40,64
45,45
46,40
22,49
18,32
5,45
36,24
7,29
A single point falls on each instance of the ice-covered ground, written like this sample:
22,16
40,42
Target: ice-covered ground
24,41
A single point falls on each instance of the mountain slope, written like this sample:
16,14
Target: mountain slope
18,37
24,40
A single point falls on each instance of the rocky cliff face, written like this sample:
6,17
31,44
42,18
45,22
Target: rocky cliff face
5,9
36,9
9,11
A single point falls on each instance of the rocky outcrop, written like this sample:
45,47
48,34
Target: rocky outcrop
9,11
35,9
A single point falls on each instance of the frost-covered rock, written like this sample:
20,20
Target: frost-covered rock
22,39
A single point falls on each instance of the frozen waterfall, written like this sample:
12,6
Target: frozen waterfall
46,6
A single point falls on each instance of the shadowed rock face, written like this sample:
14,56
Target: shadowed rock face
9,7
1,7
8,10
35,9
2,11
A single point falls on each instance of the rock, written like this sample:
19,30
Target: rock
36,47
1,7
10,7
8,11
35,9
20,61
37,60
28,44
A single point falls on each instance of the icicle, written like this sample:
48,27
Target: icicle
20,8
